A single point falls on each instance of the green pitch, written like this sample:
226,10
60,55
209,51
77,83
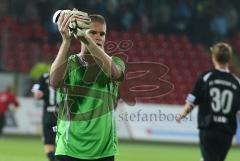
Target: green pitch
30,149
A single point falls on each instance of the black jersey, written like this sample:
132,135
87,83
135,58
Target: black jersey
49,99
218,95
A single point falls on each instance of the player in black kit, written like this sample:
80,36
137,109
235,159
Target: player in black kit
217,93
42,90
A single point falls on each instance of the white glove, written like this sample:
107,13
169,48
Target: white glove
81,35
81,32
58,13
79,20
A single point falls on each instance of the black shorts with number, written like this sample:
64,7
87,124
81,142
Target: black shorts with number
48,133
68,158
214,145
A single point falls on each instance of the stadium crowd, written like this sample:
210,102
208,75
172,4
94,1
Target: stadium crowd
216,18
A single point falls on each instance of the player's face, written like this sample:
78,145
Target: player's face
98,32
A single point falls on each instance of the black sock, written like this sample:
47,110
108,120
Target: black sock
51,156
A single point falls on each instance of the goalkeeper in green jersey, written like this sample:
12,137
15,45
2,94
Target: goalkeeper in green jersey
87,85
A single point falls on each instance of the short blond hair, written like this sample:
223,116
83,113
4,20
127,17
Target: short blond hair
97,18
222,52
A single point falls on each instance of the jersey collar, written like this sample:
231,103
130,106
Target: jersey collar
224,70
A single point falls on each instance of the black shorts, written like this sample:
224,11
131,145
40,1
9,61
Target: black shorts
2,122
68,158
214,145
48,133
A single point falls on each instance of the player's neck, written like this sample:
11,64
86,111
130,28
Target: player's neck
222,67
87,57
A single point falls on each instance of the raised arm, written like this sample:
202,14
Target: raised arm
59,66
102,59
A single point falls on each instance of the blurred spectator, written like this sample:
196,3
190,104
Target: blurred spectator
127,16
3,8
231,16
45,11
143,17
218,27
197,18
199,28
113,16
6,98
31,12
45,8
112,5
201,6
162,16
181,15
99,7
145,23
